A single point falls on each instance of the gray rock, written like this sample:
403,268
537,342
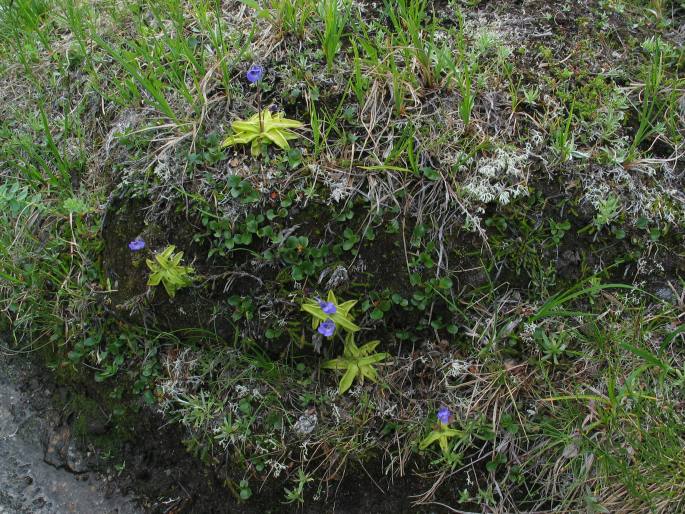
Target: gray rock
306,423
37,475
76,462
665,293
57,446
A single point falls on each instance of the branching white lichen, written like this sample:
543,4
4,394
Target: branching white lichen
499,178
180,378
648,190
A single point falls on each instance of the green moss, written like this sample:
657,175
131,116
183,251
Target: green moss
106,423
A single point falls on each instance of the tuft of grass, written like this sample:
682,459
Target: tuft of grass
335,15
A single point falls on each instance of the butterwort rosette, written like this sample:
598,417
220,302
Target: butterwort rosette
442,432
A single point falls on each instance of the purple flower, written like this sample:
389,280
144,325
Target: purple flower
327,328
327,307
255,73
136,245
444,415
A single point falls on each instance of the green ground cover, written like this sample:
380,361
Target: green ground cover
491,191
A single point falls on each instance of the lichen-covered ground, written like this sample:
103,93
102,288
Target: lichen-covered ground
496,186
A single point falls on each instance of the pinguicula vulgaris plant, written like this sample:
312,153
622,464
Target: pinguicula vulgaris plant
442,432
167,269
328,315
357,362
263,127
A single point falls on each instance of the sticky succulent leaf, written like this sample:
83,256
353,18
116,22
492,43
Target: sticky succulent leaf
240,139
347,306
335,364
372,359
169,288
344,322
256,148
246,126
368,372
315,311
369,347
155,278
429,439
348,378
284,123
441,435
278,138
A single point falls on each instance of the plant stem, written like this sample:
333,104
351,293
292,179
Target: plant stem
259,107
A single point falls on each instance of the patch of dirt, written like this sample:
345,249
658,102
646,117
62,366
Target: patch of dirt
49,467
41,469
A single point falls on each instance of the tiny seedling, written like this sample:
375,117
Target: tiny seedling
553,348
263,129
563,141
607,211
245,490
357,362
558,230
167,269
296,494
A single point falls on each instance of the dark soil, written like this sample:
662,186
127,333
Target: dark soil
42,470
141,456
